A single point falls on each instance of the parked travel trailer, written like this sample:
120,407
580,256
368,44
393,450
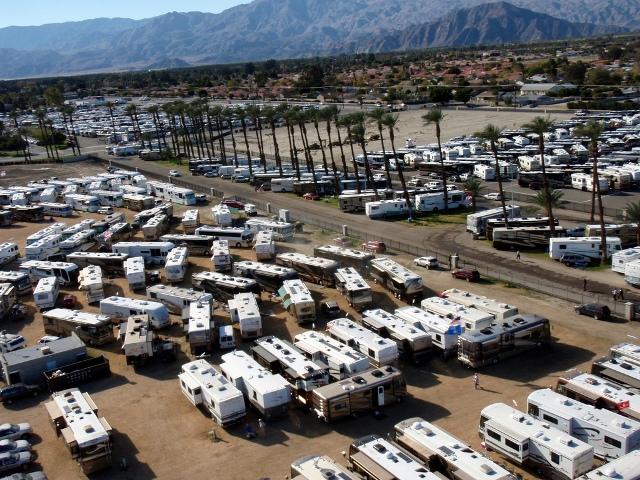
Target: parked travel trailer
501,311
298,301
137,202
378,459
445,454
199,328
626,232
155,227
601,393
386,209
78,242
45,295
93,329
237,237
312,269
401,281
8,252
346,257
66,273
342,360
269,393
444,331
244,310
499,222
140,344
135,274
154,253
109,197
611,435
223,287
87,437
205,387
190,221
281,357
221,215
171,193
8,301
618,370
47,248
122,308
82,203
379,350
585,246
584,182
354,288
283,184
355,202
175,267
269,277
621,259
623,468
19,280
282,231
470,318
528,441
91,282
198,245
177,299
632,273
110,263
320,467
434,202
264,245
117,232
484,172
477,222
221,259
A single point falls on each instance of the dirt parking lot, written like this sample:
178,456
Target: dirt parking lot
161,435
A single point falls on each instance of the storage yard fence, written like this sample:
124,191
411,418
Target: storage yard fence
509,277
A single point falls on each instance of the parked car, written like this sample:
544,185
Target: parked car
233,203
595,310
379,176
105,210
492,196
240,179
201,198
250,210
331,309
577,231
14,431
374,246
69,301
174,173
575,260
468,274
430,263
14,446
47,338
26,476
13,461
17,391
211,174
311,196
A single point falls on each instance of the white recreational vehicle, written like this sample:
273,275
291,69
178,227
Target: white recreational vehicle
264,245
400,280
204,386
66,273
137,201
434,202
448,455
177,299
238,237
155,227
134,271
628,352
632,273
470,318
78,242
112,263
196,244
618,370
45,295
354,288
346,257
171,193
44,249
19,280
175,267
444,331
484,172
611,435
584,182
8,252
283,184
500,310
83,226
221,259
526,440
91,328
586,246
91,282
200,327
154,253
221,215
82,203
319,467
386,208
269,393
109,198
312,269
223,287
53,229
190,221
297,300
342,360
56,209
477,222
122,308
623,468
282,231
244,310
379,350
269,277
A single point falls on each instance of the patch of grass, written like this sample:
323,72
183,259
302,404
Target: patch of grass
331,201
174,162
598,268
457,218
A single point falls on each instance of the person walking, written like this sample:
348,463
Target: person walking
476,381
614,293
584,285
620,294
262,428
518,255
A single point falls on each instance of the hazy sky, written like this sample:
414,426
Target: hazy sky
38,12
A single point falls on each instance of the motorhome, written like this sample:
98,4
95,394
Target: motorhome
6,218
19,280
354,288
9,252
355,202
28,213
171,193
143,216
109,198
312,269
88,437
401,281
586,246
66,273
190,221
8,300
137,202
434,202
221,259
83,226
342,361
269,277
175,267
91,328
618,370
197,244
446,454
264,246
47,248
135,274
199,328
500,222
154,253
320,467
298,301
205,387
499,310
379,350
53,229
619,260
48,195
177,299
626,232
632,273
221,215
117,232
237,237
226,337
83,203
45,295
270,394
122,308
223,287
477,222
584,182
281,357
484,172
623,468
54,209
601,393
346,257
244,310
611,435
283,184
79,242
91,282
282,231
378,459
444,331
525,440
524,238
627,352
386,209
111,263
155,227
470,318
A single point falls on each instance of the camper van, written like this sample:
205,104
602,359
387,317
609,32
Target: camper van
401,281
177,299
500,310
244,310
269,277
135,274
66,273
154,253
91,328
264,246
470,318
354,288
298,301
380,351
477,222
175,267
91,282
484,172
269,393
312,269
45,295
586,246
444,331
223,287
221,259
205,387
122,308
8,252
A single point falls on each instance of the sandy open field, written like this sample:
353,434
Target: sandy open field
163,436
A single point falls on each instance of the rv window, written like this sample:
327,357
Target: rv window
612,441
255,395
493,435
525,446
512,445
534,410
563,247
196,391
550,419
555,458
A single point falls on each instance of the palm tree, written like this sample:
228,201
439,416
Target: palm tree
64,110
110,106
315,117
181,111
592,130
539,126
391,122
25,146
70,111
549,199
302,118
216,112
359,135
242,114
132,111
41,115
338,123
254,113
632,211
206,110
491,134
170,111
289,115
473,187
435,117
228,115
327,114
153,110
270,115
49,126
348,121
376,116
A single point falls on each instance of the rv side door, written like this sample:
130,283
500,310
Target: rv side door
380,393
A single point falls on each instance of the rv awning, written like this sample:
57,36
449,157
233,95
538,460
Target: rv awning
619,377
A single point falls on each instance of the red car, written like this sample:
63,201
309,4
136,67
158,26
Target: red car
468,274
311,196
69,301
233,204
374,246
